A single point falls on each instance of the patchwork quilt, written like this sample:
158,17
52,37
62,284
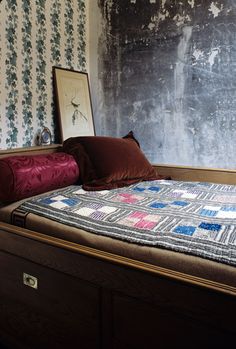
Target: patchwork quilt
190,217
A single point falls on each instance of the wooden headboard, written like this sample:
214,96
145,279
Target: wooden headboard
186,173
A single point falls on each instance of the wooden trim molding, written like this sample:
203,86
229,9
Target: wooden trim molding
188,173
43,149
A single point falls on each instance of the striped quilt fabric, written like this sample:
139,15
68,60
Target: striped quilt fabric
191,217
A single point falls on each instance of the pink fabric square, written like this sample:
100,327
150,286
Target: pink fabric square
138,215
144,224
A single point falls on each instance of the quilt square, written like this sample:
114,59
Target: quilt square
180,203
107,209
59,202
127,198
229,208
139,189
85,211
132,219
140,220
50,200
158,205
153,217
177,193
98,215
210,226
70,202
206,234
145,224
80,191
225,199
154,189
46,201
138,215
189,195
208,213
185,230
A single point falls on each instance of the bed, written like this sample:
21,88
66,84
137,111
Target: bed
65,286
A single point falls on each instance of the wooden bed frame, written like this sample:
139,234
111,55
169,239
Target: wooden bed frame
87,298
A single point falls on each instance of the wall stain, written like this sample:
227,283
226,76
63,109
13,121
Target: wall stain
167,71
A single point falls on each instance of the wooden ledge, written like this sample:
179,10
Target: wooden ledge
201,174
41,149
120,260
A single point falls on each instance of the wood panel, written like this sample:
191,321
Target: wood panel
151,326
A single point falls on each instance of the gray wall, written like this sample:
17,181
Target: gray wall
166,70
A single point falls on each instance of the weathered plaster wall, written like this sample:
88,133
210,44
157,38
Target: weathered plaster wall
35,36
167,70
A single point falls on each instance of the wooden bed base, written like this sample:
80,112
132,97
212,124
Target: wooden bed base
87,298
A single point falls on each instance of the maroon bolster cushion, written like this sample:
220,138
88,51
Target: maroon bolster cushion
107,162
25,176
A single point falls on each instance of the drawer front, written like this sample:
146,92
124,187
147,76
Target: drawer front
43,308
138,325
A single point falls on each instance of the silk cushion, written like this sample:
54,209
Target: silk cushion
25,176
108,162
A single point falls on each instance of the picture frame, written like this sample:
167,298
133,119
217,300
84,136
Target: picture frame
73,101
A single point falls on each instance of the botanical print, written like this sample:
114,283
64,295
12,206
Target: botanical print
41,82
27,73
81,37
11,83
73,99
55,20
55,41
69,31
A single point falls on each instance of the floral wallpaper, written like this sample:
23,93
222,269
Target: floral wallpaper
34,37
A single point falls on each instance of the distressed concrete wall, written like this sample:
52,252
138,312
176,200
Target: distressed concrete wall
167,71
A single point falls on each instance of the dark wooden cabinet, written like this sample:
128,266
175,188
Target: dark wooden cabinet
64,312
90,299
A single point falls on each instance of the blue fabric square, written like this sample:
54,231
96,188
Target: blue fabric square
229,208
180,203
208,213
47,201
140,189
185,229
158,205
210,226
156,189
69,202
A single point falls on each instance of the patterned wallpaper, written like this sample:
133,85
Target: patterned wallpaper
34,37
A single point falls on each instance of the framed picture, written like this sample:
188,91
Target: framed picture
73,103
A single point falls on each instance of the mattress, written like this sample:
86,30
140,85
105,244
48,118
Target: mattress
156,255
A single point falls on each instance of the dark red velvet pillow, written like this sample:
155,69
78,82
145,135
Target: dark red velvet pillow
24,176
107,162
